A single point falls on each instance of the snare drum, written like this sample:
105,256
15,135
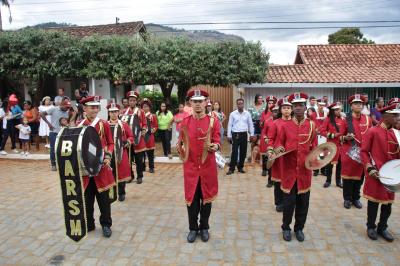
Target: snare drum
390,175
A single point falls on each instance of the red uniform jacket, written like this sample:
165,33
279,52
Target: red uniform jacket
350,168
381,146
124,170
142,119
151,143
193,169
105,179
266,122
299,137
278,166
329,131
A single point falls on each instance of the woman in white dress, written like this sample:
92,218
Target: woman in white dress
44,129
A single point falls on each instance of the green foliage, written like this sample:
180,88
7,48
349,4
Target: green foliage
157,98
348,36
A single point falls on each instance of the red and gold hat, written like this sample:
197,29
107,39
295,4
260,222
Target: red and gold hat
298,97
145,101
113,107
336,105
284,101
132,94
356,98
391,109
271,98
197,94
321,102
91,100
394,100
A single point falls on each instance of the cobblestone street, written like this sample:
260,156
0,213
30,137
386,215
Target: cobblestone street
150,227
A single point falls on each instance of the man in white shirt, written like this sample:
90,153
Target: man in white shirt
239,125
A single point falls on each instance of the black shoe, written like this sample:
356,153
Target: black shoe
107,231
279,208
241,171
91,228
139,180
327,184
299,235
204,235
347,204
269,184
229,172
316,173
339,185
372,234
151,170
357,204
386,235
53,168
264,173
287,236
121,197
191,237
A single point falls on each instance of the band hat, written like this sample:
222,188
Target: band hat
91,100
145,101
46,97
336,105
321,102
197,94
132,94
394,100
391,109
298,97
284,101
271,98
113,107
356,98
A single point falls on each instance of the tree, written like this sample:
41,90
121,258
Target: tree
7,4
348,36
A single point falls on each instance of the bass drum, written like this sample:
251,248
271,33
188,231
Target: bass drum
86,147
116,131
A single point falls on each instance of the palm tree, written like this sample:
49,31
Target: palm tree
7,4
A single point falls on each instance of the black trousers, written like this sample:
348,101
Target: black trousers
138,158
150,157
372,213
121,188
297,204
103,202
264,167
165,136
11,132
197,207
239,140
351,189
329,169
278,194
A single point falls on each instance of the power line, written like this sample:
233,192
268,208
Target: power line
279,22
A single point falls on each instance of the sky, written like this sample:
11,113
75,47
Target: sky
280,43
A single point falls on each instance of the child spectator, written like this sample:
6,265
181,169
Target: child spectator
24,135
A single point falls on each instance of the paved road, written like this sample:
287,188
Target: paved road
150,227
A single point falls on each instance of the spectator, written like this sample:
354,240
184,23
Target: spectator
239,126
3,120
60,95
13,116
56,113
32,114
44,129
178,117
77,95
367,108
83,91
312,103
188,107
221,117
209,107
375,114
24,135
165,119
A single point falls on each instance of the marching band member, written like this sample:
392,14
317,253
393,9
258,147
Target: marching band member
200,177
379,146
150,143
298,137
124,169
352,132
283,116
330,129
98,186
265,121
137,151
320,115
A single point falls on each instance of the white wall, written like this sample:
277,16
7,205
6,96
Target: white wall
101,87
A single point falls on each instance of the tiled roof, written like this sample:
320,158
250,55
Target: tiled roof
128,28
368,63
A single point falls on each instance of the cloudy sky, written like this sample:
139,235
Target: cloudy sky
280,43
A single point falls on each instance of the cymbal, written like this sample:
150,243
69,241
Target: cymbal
320,156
